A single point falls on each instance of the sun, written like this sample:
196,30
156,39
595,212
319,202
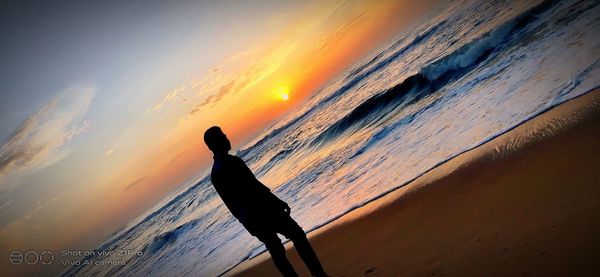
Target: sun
284,96
283,93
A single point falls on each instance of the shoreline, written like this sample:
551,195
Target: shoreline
495,153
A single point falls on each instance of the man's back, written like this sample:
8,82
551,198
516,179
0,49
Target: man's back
251,202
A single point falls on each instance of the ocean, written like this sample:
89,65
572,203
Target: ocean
465,74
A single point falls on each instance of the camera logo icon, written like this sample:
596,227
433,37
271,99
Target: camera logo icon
15,258
31,257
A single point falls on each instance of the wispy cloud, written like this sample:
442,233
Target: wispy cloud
39,140
339,34
134,184
254,72
171,96
215,97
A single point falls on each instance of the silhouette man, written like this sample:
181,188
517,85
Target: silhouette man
252,203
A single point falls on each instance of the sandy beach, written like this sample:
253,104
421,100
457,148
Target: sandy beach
526,203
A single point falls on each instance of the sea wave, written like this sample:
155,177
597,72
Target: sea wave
435,75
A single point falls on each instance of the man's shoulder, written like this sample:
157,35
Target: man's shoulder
224,163
232,159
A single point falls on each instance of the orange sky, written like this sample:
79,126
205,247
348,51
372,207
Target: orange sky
162,148
298,58
313,60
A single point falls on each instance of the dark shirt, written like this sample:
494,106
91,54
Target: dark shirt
251,202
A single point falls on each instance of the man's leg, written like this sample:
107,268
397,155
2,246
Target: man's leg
293,231
277,251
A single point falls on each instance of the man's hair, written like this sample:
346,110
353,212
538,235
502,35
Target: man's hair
212,136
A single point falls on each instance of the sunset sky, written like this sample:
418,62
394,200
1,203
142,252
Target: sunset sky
103,105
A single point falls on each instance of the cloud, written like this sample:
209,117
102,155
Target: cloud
339,34
215,97
254,73
134,184
39,140
169,97
239,55
83,128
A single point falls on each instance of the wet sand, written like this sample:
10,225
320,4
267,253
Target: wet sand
524,204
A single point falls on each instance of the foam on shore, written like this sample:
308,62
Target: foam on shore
493,209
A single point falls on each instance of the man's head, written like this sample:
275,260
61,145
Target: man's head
216,140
